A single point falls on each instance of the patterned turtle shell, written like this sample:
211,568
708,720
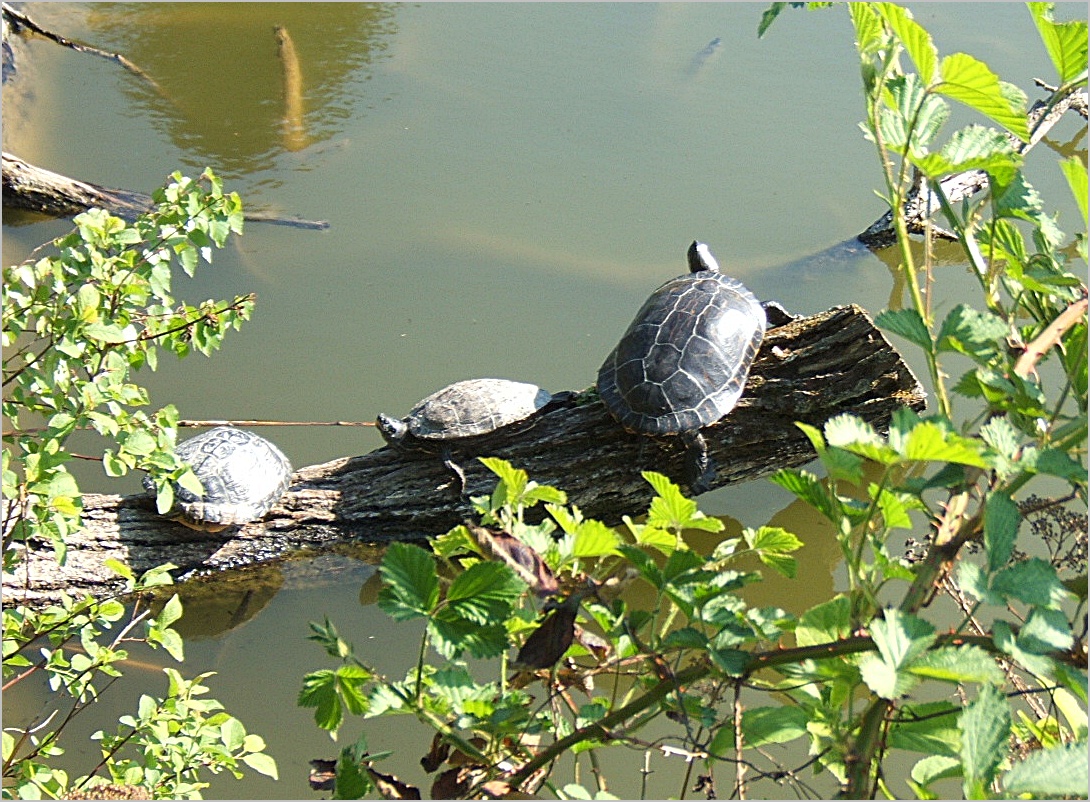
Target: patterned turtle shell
243,476
683,362
466,409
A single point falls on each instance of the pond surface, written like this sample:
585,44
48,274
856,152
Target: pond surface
504,184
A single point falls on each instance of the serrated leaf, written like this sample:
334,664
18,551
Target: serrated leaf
985,727
1032,581
810,489
931,728
978,335
412,584
917,42
884,679
859,437
594,539
1075,173
935,767
825,623
1001,521
1060,772
772,725
969,81
958,664
319,692
1065,42
901,637
484,592
908,324
1046,631
929,442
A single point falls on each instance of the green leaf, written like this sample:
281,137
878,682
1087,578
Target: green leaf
109,333
900,638
859,437
917,42
985,727
958,664
825,623
1065,43
352,781
670,509
930,728
412,584
930,442
771,725
810,489
1050,773
1032,581
319,692
1075,173
594,539
908,324
232,733
969,81
933,768
171,612
1046,631
262,764
484,592
978,335
768,17
773,545
1001,520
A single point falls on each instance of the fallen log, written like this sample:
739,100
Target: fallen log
808,370
35,189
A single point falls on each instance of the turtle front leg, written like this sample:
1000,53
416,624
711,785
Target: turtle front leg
699,466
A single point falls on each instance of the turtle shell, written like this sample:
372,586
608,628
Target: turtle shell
475,406
683,362
243,476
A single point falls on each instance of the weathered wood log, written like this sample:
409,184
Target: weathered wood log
35,189
808,370
922,203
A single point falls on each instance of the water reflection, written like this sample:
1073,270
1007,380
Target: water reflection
223,87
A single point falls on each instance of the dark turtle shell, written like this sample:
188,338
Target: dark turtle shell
243,476
683,362
466,409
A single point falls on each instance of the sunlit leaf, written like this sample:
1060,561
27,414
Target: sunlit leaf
908,324
1065,43
969,81
412,584
985,727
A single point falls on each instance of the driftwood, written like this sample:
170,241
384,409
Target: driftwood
808,370
922,203
27,186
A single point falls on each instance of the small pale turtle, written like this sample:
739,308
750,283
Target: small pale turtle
683,362
243,476
462,410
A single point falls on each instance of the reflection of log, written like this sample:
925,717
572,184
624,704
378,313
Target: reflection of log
29,187
293,125
922,203
808,370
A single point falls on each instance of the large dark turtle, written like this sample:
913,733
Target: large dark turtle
461,410
243,476
683,362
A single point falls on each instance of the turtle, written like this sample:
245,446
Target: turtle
243,476
683,362
465,409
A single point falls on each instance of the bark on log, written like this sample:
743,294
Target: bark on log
808,370
35,189
922,203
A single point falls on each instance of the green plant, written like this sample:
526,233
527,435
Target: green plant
76,324
861,674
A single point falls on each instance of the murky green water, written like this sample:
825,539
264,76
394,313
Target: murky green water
505,183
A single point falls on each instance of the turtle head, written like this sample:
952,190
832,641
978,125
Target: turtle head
391,429
700,258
